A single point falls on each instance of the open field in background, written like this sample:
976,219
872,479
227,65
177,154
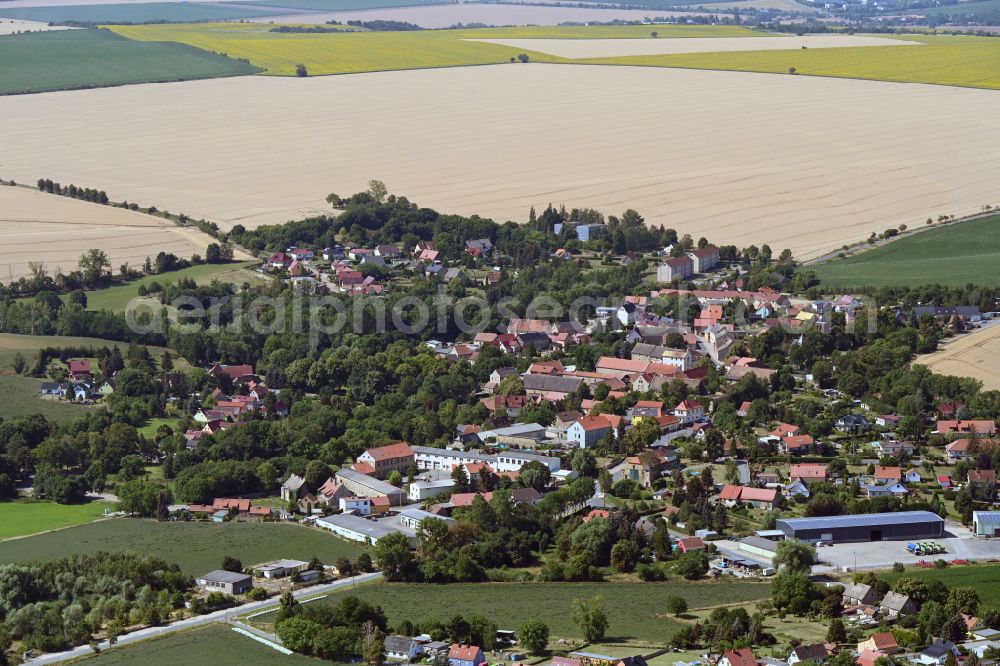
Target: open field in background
57,230
945,60
28,346
800,165
118,297
635,611
984,577
63,59
195,547
135,12
446,15
211,645
953,255
22,517
348,53
19,396
974,7
14,26
975,355
603,48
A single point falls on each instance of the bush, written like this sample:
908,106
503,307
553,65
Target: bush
256,594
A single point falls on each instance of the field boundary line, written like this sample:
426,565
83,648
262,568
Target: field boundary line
263,641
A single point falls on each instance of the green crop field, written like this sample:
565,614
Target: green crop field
20,396
354,52
946,60
954,255
137,12
66,59
12,344
984,577
636,611
197,547
117,298
211,645
19,518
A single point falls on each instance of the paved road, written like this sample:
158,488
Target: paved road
198,620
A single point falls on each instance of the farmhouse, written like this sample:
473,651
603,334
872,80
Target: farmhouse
864,527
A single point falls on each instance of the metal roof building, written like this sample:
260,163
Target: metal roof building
986,523
864,527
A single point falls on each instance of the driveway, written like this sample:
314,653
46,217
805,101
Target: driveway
199,620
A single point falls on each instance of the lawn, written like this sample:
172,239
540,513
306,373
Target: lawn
22,517
196,547
984,577
117,298
66,59
952,255
19,396
636,611
149,430
353,52
946,60
28,346
211,645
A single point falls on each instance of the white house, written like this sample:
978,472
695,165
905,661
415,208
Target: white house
689,411
360,505
419,491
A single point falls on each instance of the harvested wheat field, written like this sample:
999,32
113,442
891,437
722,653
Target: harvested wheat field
797,162
15,26
56,230
613,48
975,355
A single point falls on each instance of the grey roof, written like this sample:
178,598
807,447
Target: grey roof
861,520
293,482
220,576
938,648
463,455
894,601
364,526
813,652
986,517
551,383
421,515
369,482
398,644
760,542
857,590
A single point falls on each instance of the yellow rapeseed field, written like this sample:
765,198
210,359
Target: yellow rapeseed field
946,60
348,53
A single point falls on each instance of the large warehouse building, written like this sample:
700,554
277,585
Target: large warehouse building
864,527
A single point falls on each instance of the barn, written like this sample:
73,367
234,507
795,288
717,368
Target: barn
864,527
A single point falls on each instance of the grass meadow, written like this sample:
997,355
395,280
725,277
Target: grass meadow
636,611
66,59
195,546
946,60
117,298
211,645
20,396
12,344
953,255
354,52
22,517
984,577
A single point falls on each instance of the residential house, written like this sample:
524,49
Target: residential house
912,475
883,474
895,605
361,506
796,489
675,268
465,655
852,423
760,498
796,445
738,657
689,544
644,468
689,411
704,259
293,488
331,492
981,477
479,247
882,642
402,648
888,420
226,582
958,450
384,460
421,490
591,429
552,388
859,594
968,427
937,653
807,472
817,653
887,489
80,369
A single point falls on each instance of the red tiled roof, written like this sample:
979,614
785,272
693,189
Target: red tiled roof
807,471
729,492
463,652
741,657
391,451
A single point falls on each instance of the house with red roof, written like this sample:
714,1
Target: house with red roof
689,411
882,642
690,544
465,655
386,459
79,369
796,445
960,449
807,472
738,657
760,498
591,429
888,473
785,429
970,427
